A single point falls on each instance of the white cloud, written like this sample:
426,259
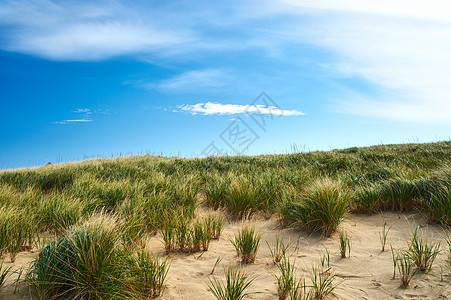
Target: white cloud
83,111
83,115
400,47
193,80
71,31
80,120
211,108
415,9
93,41
64,122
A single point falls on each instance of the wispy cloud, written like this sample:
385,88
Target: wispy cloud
64,122
211,108
83,111
70,31
400,47
192,80
84,115
417,9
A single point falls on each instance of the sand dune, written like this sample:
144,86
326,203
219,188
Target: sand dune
367,274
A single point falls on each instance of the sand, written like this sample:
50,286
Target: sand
367,274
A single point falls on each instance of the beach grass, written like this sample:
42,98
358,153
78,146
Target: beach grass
143,196
246,243
234,287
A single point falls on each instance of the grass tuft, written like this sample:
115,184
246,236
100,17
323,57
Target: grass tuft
383,236
344,244
422,253
148,273
4,273
321,208
235,287
286,281
406,267
246,243
279,250
86,263
322,283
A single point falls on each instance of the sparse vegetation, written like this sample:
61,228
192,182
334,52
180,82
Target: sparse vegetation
383,236
406,267
148,273
322,283
422,252
300,292
5,272
286,281
325,260
217,262
148,195
214,226
180,235
279,250
394,256
448,253
344,244
246,243
235,287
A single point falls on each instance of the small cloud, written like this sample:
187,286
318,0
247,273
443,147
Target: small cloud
64,122
208,78
83,111
75,121
84,115
211,108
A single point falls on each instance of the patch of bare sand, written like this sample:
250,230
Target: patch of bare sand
367,274
23,261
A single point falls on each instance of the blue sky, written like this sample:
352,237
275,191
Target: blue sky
87,78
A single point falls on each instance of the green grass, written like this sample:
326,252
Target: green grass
395,256
279,250
246,243
286,281
398,194
439,206
422,252
214,226
18,231
235,286
144,195
322,283
448,253
5,272
148,273
58,212
406,267
383,236
89,262
179,234
216,187
344,244
240,199
321,208
367,199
